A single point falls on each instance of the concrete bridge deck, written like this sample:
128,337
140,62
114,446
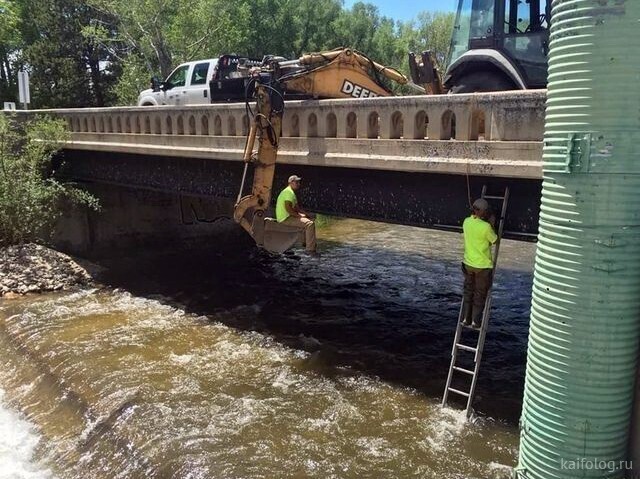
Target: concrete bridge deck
436,134
410,160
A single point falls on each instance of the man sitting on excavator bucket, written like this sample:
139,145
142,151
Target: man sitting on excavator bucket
289,212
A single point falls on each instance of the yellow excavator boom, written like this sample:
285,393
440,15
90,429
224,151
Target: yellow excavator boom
340,73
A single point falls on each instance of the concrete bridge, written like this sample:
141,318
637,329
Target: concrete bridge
409,160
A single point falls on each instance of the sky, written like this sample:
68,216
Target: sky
407,9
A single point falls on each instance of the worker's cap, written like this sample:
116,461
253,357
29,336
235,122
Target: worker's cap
294,178
480,205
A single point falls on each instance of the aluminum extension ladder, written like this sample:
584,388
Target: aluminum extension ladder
458,346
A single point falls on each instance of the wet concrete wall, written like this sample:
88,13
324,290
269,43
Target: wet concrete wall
138,219
424,199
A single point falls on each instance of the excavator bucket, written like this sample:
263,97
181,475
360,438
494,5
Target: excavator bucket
278,238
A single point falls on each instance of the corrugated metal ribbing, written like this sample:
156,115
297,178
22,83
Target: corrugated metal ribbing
585,313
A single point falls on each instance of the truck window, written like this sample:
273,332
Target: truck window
524,16
178,77
482,18
460,37
199,75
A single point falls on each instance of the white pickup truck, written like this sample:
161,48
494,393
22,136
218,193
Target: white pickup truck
188,84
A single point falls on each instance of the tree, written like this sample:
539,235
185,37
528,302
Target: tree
434,32
10,40
68,67
102,52
356,28
30,196
314,24
165,32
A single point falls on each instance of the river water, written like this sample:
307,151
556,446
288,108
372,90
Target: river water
234,364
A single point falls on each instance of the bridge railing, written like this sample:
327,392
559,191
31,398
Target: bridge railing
488,134
506,116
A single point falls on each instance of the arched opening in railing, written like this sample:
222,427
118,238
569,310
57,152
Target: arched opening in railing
421,125
245,125
448,126
217,126
169,125
109,124
204,125
373,125
101,125
192,125
76,124
231,126
127,124
118,125
137,124
332,126
157,127
352,126
85,124
478,125
180,125
312,126
294,130
396,128
147,125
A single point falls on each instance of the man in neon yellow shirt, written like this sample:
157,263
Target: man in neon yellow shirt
288,212
477,265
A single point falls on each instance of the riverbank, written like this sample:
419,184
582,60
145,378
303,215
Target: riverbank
33,268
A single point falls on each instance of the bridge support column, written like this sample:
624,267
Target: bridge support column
585,312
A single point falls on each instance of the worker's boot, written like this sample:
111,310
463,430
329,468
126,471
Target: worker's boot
466,313
476,315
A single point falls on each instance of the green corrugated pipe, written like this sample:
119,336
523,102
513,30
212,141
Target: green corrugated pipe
585,311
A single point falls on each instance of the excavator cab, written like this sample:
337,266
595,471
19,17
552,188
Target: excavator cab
499,45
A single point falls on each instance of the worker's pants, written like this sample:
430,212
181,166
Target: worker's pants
477,282
309,228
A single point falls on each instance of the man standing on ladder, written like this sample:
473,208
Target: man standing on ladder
477,264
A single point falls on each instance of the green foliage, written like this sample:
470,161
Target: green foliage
69,67
324,221
30,197
9,43
103,52
134,78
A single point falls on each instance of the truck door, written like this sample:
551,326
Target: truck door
198,88
174,86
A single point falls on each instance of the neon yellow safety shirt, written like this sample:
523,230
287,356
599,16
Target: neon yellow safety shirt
285,195
478,238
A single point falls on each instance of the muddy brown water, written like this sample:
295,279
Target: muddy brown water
234,364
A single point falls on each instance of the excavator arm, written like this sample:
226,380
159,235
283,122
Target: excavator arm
266,127
340,73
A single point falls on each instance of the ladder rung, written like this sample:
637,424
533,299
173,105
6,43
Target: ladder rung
491,197
457,391
463,370
466,348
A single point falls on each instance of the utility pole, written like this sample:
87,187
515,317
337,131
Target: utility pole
585,311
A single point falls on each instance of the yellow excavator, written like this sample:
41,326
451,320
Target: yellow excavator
340,73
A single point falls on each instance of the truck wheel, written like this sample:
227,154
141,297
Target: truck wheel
481,82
